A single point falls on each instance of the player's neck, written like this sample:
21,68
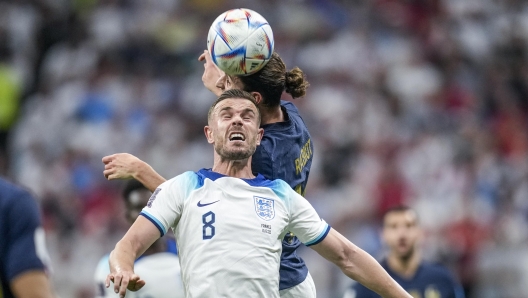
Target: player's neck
271,115
405,267
234,168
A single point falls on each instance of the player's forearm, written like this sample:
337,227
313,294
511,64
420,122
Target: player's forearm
122,257
362,267
32,284
358,265
148,177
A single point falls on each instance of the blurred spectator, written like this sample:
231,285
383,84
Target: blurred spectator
402,234
24,261
10,91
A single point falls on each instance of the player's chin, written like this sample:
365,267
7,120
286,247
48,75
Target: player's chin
405,252
238,153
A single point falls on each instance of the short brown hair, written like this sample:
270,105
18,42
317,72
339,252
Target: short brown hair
399,209
234,93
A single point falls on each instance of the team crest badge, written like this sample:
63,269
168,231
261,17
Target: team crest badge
265,208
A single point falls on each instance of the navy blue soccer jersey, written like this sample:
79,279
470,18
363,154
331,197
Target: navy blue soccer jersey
20,234
430,281
285,153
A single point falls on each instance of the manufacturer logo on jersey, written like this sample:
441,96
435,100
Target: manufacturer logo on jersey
206,204
153,197
265,208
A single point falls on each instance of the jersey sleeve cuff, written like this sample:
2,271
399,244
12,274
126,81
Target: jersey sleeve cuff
321,236
155,221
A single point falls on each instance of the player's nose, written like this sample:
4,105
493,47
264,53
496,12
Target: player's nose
237,120
237,123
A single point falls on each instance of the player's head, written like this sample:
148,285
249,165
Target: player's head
401,231
267,84
234,125
136,197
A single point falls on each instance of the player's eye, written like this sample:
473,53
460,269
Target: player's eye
225,115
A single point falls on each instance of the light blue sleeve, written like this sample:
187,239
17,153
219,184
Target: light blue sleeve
165,206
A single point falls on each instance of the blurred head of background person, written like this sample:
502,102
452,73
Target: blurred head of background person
402,234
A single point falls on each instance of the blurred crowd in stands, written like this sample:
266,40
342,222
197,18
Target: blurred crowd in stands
418,102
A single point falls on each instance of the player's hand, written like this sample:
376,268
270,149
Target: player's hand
121,166
213,77
124,280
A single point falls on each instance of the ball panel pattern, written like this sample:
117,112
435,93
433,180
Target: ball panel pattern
240,41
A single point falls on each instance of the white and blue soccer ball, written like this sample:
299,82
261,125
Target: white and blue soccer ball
240,41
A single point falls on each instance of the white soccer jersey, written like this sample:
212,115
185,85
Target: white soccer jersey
161,272
229,230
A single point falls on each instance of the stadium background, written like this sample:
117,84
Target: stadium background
417,102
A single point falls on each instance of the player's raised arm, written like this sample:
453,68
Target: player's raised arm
213,77
358,265
126,166
135,242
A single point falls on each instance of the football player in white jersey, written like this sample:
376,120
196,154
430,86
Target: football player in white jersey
160,269
229,223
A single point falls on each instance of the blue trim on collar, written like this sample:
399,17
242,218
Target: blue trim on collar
259,180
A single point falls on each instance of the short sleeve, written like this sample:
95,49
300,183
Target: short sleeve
26,250
305,223
164,208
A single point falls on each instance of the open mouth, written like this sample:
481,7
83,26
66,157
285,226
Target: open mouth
236,136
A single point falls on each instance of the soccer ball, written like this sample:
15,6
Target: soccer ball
240,41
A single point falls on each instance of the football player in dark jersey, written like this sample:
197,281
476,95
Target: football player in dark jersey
285,152
401,233
22,246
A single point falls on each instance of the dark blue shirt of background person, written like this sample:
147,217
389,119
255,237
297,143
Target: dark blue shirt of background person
429,281
286,152
21,237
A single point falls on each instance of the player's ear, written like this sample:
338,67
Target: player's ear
259,135
209,134
257,96
221,82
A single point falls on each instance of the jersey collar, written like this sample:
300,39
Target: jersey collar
209,174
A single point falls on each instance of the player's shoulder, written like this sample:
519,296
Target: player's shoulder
10,191
280,187
189,180
16,200
436,270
